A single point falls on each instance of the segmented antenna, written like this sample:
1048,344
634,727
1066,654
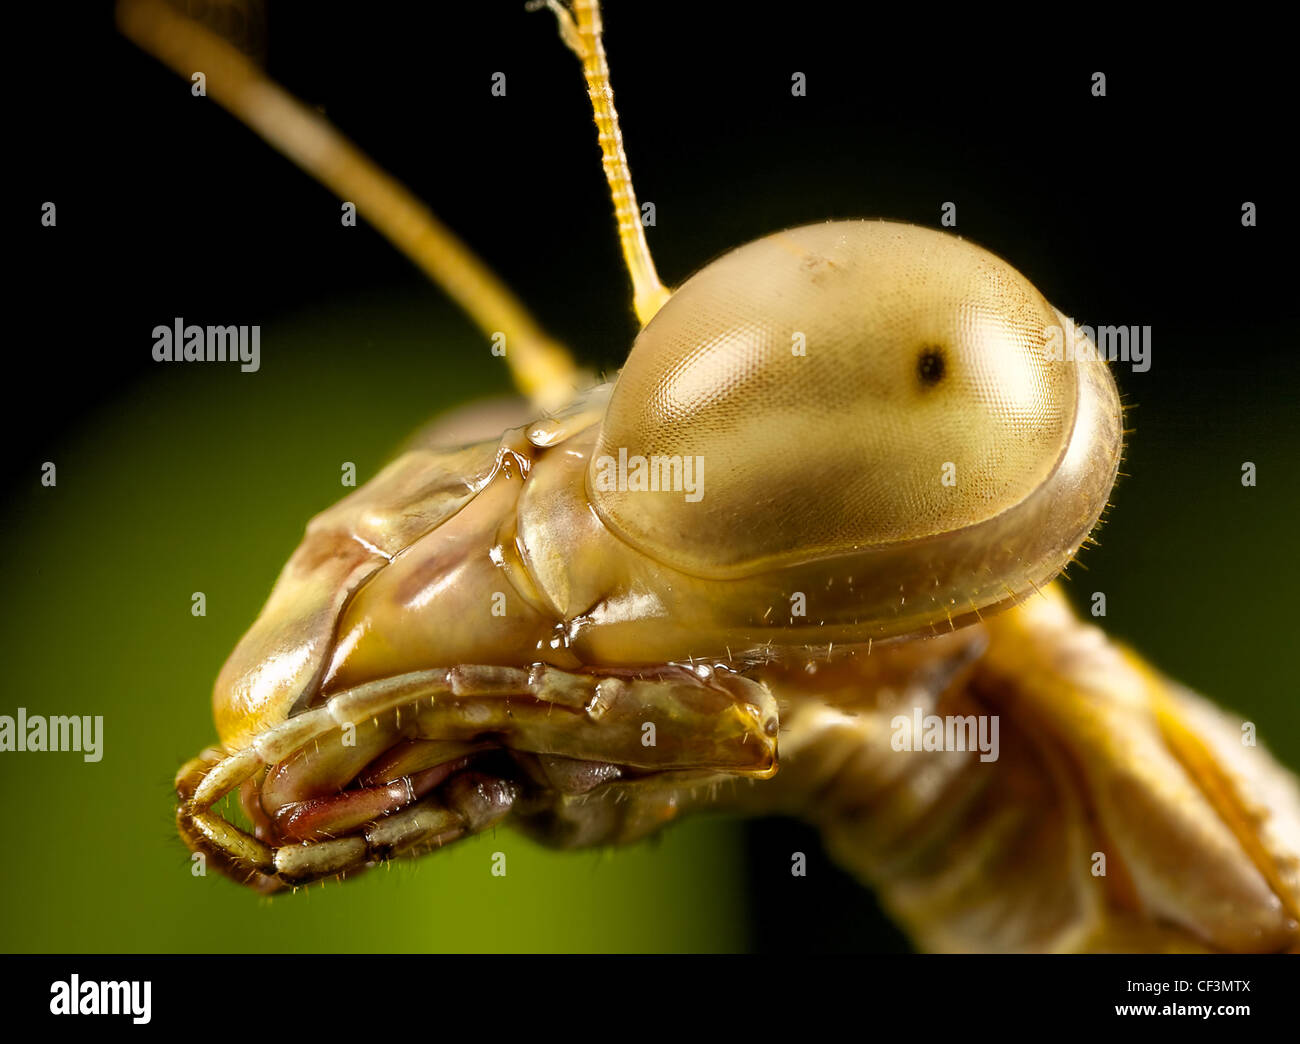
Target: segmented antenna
581,30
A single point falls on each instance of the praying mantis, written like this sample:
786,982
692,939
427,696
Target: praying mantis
797,558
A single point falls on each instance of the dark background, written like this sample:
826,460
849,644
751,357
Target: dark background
1124,209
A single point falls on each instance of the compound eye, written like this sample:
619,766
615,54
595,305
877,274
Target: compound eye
832,389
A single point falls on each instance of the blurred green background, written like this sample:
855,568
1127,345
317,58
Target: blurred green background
199,478
201,481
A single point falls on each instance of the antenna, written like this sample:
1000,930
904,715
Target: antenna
540,366
581,31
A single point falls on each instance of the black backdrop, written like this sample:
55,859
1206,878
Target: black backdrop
1128,204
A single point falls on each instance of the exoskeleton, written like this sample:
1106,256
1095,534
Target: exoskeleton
798,557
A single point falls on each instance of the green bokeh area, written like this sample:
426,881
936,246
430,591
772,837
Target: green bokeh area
201,479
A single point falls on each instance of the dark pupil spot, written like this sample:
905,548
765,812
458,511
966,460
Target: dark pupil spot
930,366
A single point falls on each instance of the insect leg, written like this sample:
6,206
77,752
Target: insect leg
213,774
406,779
1117,812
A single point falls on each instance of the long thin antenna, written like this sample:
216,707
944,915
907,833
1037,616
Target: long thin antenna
582,31
541,367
